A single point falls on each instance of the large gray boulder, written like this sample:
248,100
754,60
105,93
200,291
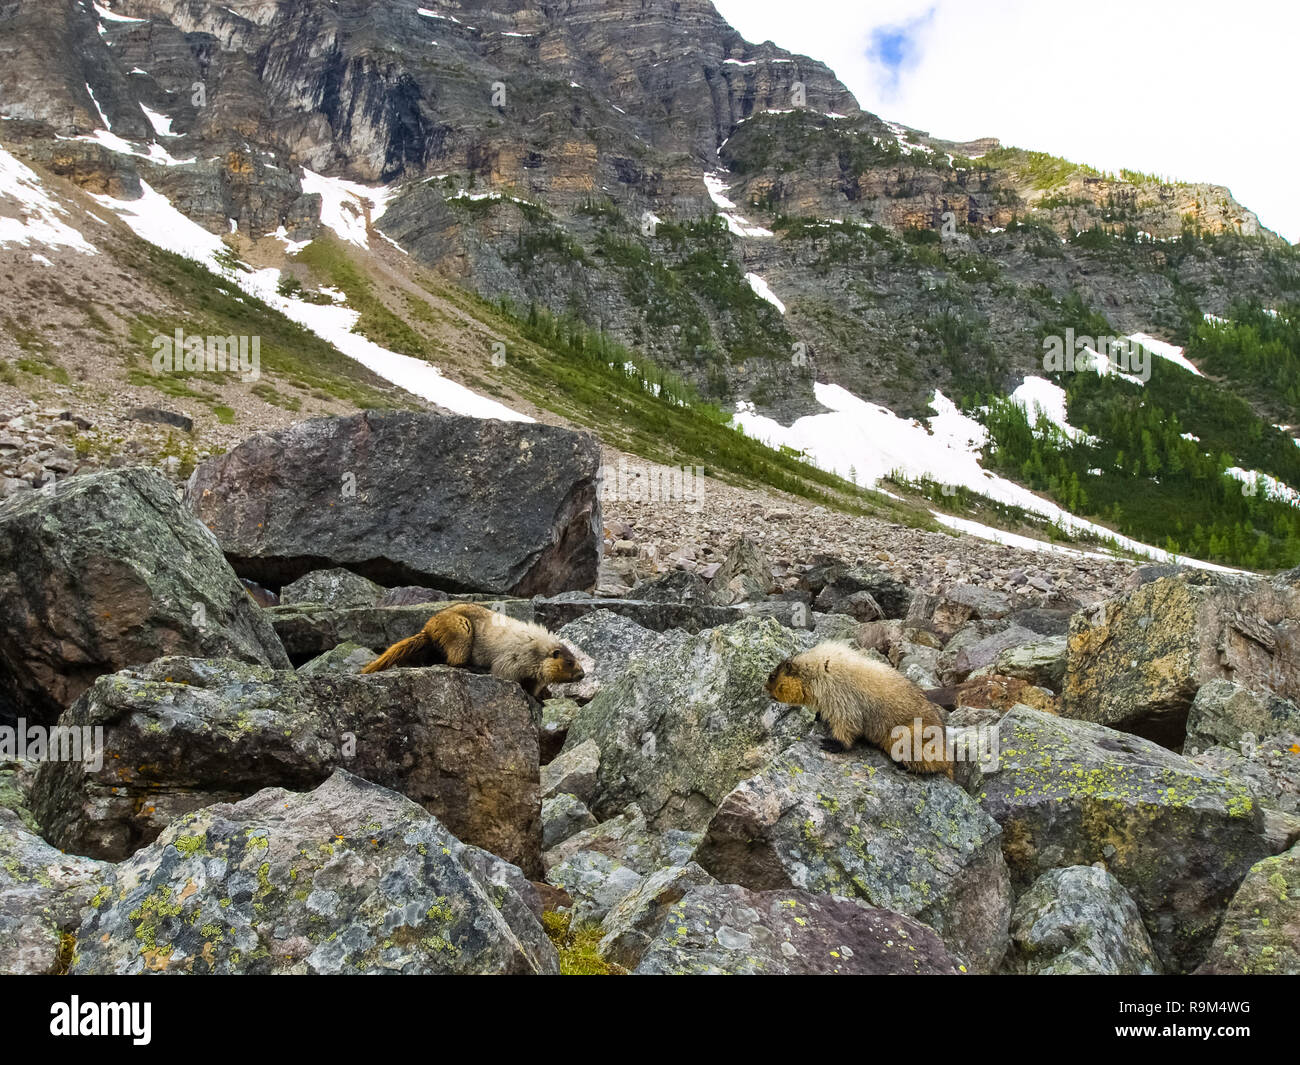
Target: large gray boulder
1177,837
349,878
855,824
611,642
1040,661
628,839
1223,712
106,571
631,923
335,588
1269,768
1080,921
563,816
972,648
679,731
729,929
405,498
1137,661
42,893
1260,933
181,734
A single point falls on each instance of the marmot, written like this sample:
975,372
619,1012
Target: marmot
859,698
471,635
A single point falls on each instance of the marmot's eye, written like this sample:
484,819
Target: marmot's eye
557,654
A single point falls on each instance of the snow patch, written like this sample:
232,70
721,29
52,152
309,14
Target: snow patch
865,442
38,218
104,13
1279,491
344,205
162,125
762,291
1163,350
1037,395
433,14
716,184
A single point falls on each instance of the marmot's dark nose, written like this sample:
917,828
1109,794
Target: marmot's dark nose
579,674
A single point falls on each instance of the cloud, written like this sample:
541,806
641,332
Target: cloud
895,50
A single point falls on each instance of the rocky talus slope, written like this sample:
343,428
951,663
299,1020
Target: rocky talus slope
1126,796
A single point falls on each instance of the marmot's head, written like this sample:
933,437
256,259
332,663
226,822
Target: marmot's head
560,666
785,684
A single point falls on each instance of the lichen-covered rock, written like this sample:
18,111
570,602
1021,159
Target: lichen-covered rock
1041,662
595,882
611,641
183,733
400,497
107,571
994,692
575,771
946,613
349,878
17,778
345,658
1223,712
1080,920
630,924
42,892
856,824
557,716
628,839
1260,933
1269,768
1137,661
1178,838
919,664
729,929
678,732
339,589
564,816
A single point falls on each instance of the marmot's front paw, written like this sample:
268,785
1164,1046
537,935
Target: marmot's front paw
833,746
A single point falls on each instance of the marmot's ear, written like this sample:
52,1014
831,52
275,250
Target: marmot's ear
828,665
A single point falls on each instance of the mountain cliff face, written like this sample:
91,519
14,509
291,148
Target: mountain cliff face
592,123
621,172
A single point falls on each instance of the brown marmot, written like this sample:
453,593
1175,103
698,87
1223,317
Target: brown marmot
859,698
471,635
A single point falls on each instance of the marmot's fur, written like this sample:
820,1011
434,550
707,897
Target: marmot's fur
859,698
471,635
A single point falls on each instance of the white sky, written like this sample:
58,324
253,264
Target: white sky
1190,89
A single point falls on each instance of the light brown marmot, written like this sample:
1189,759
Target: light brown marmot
859,698
471,635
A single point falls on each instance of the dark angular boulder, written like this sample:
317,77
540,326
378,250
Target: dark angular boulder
106,571
404,498
182,733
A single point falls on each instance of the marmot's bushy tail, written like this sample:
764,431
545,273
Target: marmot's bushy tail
412,651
